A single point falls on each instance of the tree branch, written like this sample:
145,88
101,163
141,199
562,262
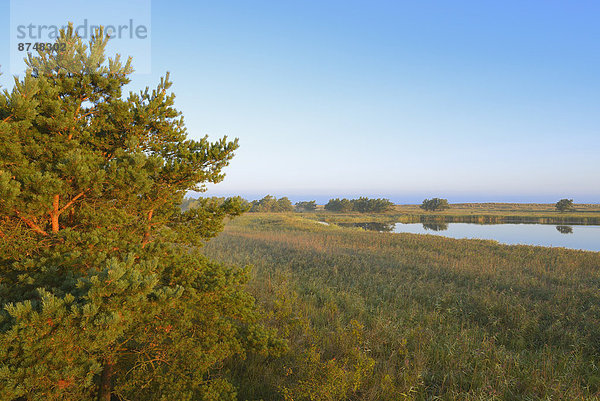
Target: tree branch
146,238
79,195
83,99
55,213
31,224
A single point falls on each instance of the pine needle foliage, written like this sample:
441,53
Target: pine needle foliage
103,292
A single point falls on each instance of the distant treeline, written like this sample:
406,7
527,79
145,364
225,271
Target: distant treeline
362,205
268,204
271,204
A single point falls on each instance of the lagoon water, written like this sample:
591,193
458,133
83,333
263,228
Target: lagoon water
586,237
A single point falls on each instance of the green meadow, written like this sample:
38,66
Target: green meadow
382,316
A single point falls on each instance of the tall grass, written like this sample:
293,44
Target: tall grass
440,318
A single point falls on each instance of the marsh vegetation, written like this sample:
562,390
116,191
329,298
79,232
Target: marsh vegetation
439,318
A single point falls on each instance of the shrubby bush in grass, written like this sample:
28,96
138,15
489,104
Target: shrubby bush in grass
564,205
435,204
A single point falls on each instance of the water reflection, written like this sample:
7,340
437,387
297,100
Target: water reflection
371,226
564,229
435,226
585,237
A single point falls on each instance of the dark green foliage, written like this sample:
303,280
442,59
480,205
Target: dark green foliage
361,205
306,206
270,204
266,204
366,205
435,204
339,205
564,205
284,205
102,288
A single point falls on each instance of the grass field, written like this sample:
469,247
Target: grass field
403,316
474,213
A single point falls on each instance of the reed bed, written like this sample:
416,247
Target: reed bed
440,318
484,213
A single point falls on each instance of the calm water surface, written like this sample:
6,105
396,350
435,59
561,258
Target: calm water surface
568,236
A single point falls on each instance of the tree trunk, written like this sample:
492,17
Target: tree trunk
146,237
55,213
106,381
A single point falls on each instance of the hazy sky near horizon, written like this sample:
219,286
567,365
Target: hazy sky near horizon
468,100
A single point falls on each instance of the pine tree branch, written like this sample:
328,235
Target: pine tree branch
146,238
87,114
79,195
7,119
83,99
31,224
77,111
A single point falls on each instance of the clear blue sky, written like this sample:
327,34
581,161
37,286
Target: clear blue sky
468,100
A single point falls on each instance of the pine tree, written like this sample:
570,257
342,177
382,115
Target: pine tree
102,288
